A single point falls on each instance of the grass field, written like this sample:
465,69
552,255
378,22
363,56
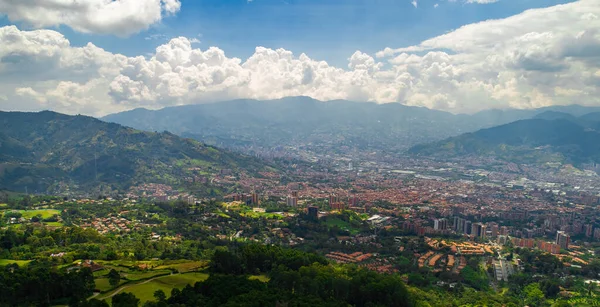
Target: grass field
341,224
103,284
19,262
3,205
54,224
262,278
46,213
184,267
145,290
144,275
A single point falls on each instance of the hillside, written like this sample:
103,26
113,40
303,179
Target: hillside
326,126
532,141
295,120
38,151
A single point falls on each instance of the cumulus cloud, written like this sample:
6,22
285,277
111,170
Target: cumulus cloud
538,58
118,17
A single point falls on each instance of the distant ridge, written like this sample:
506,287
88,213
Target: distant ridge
41,150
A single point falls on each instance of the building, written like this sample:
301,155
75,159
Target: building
353,201
313,212
589,230
332,199
292,201
477,230
467,228
563,239
295,194
597,233
495,230
255,200
440,224
338,206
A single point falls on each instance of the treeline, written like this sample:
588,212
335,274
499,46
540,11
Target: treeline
257,259
295,279
39,284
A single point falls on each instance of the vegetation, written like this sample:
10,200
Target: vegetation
545,139
87,153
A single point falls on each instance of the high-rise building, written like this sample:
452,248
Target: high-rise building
467,227
295,194
332,199
563,239
589,230
353,201
440,224
292,201
495,230
338,206
476,229
597,233
255,200
313,212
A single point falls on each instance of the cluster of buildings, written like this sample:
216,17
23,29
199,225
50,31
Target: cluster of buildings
111,224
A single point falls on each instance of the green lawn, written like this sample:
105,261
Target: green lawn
184,267
46,213
262,278
19,262
145,291
3,205
144,275
103,284
54,224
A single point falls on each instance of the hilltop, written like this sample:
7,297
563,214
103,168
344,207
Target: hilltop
325,126
39,151
548,137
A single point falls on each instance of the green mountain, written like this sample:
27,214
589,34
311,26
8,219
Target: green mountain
324,126
562,137
40,151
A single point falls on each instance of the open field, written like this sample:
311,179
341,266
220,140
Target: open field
3,205
262,278
46,213
145,290
144,275
19,262
184,267
102,284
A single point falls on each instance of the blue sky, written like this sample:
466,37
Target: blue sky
329,30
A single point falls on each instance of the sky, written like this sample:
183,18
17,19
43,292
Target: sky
97,57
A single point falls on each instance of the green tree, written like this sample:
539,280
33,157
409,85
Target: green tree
114,277
534,296
125,299
160,295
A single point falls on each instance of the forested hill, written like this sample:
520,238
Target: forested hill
549,137
39,151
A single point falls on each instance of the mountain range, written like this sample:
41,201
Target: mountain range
548,137
39,151
392,127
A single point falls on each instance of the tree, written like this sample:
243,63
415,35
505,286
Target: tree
125,299
114,277
533,294
160,295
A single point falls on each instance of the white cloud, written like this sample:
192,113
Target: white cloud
435,6
414,3
537,58
118,17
